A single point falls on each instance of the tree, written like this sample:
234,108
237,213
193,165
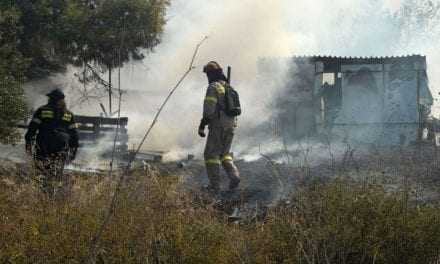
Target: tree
41,37
12,68
58,32
108,33
104,33
100,32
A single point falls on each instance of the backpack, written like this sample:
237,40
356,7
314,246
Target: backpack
232,101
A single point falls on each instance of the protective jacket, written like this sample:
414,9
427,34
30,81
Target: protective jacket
220,136
214,105
55,128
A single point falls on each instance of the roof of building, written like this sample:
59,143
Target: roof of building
363,60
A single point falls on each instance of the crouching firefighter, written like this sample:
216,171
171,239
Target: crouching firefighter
220,110
56,140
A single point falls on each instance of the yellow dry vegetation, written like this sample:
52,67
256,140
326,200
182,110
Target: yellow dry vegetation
340,221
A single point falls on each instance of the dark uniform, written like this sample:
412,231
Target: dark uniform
56,137
221,130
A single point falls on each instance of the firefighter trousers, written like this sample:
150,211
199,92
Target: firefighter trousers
51,167
218,152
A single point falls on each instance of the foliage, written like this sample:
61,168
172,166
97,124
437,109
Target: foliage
347,222
41,37
110,29
59,32
12,66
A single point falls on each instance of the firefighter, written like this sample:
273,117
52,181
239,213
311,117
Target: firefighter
221,130
56,139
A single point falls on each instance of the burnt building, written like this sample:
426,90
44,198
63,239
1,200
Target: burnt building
379,100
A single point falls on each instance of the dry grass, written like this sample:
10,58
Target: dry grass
339,221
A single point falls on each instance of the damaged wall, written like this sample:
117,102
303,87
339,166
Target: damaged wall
383,103
358,100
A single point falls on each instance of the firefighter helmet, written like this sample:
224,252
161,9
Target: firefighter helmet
211,66
56,94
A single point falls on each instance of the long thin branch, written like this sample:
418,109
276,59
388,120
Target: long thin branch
190,68
119,104
96,239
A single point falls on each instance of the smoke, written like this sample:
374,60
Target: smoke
235,38
242,32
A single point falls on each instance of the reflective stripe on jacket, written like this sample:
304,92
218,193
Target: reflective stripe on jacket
46,120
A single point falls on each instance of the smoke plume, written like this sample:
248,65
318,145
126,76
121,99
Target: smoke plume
242,32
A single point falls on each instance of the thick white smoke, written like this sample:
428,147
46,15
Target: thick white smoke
241,32
235,38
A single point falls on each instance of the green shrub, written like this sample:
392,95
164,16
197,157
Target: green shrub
348,222
12,68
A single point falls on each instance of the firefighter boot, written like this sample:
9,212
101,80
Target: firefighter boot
232,172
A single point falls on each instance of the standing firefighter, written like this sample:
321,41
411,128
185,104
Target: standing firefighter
221,122
57,139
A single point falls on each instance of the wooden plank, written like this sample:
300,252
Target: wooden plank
94,129
111,137
114,121
86,128
101,120
121,130
93,121
119,149
105,129
87,136
93,136
90,129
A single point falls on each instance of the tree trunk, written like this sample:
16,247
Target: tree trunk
110,91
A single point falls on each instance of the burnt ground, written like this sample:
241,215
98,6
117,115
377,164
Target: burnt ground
266,182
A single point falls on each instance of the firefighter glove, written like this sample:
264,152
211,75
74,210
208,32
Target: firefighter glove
202,126
202,132
29,148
